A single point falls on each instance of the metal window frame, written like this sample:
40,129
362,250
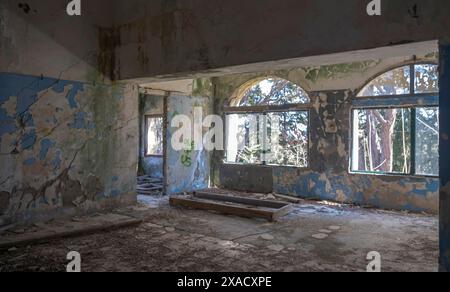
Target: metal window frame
265,112
411,101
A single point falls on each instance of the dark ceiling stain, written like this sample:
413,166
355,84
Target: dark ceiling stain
413,11
25,7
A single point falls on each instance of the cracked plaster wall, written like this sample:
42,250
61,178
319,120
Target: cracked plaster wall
67,133
65,146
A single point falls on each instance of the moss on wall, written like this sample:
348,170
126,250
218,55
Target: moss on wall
202,87
315,74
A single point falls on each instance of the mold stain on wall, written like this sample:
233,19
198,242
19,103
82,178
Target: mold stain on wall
314,74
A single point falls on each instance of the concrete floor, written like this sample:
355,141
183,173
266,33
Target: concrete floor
195,241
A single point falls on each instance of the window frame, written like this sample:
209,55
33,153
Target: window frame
147,118
411,101
265,110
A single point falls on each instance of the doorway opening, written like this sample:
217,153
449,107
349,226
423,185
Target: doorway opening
150,177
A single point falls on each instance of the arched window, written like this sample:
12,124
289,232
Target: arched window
396,123
267,123
270,91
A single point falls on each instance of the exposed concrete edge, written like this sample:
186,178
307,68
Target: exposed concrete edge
389,51
48,235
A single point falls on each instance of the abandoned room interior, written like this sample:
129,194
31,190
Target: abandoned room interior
200,136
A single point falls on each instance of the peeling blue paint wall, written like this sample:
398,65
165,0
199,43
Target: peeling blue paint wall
60,146
328,177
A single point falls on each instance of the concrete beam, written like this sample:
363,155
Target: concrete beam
412,49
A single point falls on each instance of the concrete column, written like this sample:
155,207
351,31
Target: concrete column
444,159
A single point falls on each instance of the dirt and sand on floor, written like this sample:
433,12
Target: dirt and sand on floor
313,237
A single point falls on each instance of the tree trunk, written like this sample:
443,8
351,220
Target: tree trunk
382,153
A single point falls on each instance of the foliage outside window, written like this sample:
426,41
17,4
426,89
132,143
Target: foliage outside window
288,138
271,91
427,141
398,139
262,130
154,131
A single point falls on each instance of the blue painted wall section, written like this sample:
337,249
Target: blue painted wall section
444,159
328,177
60,146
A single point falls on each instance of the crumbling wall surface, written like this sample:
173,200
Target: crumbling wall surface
65,147
188,169
154,166
328,176
331,90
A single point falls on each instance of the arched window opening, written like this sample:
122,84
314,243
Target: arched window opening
396,123
394,82
271,91
267,124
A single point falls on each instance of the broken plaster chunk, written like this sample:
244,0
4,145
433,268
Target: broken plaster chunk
151,225
326,231
334,228
76,219
270,197
320,236
267,237
169,229
276,247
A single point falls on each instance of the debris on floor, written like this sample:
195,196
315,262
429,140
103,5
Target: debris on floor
320,236
267,237
185,240
76,226
147,185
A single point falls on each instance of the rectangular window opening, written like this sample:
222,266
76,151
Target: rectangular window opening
401,141
427,141
154,139
272,138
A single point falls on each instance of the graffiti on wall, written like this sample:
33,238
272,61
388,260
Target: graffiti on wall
186,157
